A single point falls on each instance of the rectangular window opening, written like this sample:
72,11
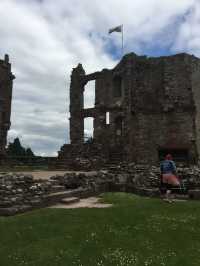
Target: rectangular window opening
107,118
89,94
88,129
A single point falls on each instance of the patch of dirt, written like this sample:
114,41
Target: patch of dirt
92,202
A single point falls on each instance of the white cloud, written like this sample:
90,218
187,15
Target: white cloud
188,38
45,39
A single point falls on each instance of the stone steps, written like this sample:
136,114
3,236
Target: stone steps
56,197
70,200
64,197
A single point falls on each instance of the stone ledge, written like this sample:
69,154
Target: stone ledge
15,210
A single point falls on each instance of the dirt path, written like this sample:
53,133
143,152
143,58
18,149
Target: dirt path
92,202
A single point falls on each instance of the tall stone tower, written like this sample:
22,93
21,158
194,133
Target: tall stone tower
76,105
6,84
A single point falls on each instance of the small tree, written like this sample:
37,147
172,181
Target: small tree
29,152
16,149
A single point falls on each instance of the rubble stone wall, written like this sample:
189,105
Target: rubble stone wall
19,189
20,192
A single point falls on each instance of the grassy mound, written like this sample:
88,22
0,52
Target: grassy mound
135,231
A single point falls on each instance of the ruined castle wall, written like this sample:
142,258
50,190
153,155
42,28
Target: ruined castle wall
76,105
103,98
195,69
153,132
153,104
163,110
6,83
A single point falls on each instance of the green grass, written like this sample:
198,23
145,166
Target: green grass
135,231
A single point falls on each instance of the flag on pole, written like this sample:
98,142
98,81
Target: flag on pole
115,29
118,29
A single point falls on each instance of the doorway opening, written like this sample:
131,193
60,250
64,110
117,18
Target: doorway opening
179,155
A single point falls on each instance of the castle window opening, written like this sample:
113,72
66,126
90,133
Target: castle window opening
107,118
89,94
88,128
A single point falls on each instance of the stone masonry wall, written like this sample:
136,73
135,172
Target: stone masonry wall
19,193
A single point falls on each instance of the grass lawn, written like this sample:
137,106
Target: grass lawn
135,231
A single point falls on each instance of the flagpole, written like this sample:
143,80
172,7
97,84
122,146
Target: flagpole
120,29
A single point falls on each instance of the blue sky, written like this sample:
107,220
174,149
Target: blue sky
46,39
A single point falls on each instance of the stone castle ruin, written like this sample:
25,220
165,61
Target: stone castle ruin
153,105
144,108
6,84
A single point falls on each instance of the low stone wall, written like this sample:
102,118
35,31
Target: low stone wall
21,192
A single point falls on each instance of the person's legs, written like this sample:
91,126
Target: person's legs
168,195
163,189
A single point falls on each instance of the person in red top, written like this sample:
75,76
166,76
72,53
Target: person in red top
169,177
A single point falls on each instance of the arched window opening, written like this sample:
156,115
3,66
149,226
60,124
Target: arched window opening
117,86
89,94
88,129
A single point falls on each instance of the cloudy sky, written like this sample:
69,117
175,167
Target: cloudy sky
45,39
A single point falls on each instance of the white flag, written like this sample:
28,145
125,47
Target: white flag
115,29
